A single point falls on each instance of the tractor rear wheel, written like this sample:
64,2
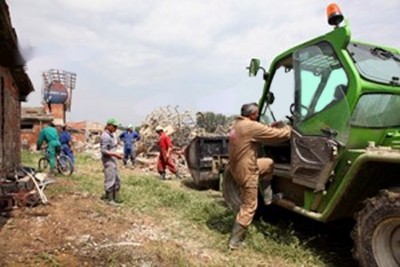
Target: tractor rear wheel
377,232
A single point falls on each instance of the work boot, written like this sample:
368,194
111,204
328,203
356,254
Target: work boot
237,237
269,196
109,196
110,199
117,197
162,175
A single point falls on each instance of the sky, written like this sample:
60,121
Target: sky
131,57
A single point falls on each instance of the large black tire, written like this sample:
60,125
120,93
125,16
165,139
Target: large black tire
64,165
43,165
377,232
231,191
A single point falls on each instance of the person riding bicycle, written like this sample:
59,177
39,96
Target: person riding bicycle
49,135
66,143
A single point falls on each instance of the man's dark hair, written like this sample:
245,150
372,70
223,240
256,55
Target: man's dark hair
248,109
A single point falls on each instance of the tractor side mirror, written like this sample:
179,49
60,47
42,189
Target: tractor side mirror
254,67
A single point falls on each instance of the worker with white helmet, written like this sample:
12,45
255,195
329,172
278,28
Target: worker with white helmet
164,159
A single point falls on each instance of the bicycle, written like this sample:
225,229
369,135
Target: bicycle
63,163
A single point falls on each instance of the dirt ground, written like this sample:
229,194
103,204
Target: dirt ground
80,230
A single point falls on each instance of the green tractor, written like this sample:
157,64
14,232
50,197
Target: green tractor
343,159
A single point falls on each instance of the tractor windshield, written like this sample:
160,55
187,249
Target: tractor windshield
377,111
321,85
375,63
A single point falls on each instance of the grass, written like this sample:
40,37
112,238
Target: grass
198,215
49,259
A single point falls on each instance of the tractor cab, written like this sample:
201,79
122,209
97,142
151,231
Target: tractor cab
337,94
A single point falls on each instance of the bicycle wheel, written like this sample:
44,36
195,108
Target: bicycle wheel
64,165
43,165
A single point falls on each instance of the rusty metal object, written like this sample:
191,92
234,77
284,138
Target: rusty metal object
25,189
19,193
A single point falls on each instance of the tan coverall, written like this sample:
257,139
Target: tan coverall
244,139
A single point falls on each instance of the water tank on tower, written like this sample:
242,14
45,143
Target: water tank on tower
56,93
57,87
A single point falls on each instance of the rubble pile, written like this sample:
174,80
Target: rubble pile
182,125
91,147
178,123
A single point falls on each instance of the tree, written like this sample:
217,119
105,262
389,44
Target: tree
211,121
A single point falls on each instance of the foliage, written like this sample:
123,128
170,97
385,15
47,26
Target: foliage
210,121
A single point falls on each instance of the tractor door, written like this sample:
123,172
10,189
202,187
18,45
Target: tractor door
312,159
320,114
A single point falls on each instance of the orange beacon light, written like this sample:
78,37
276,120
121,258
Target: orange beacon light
335,16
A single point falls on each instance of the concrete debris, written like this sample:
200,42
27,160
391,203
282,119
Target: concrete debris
180,124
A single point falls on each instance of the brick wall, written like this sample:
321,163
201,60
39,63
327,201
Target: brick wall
10,120
30,136
58,111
